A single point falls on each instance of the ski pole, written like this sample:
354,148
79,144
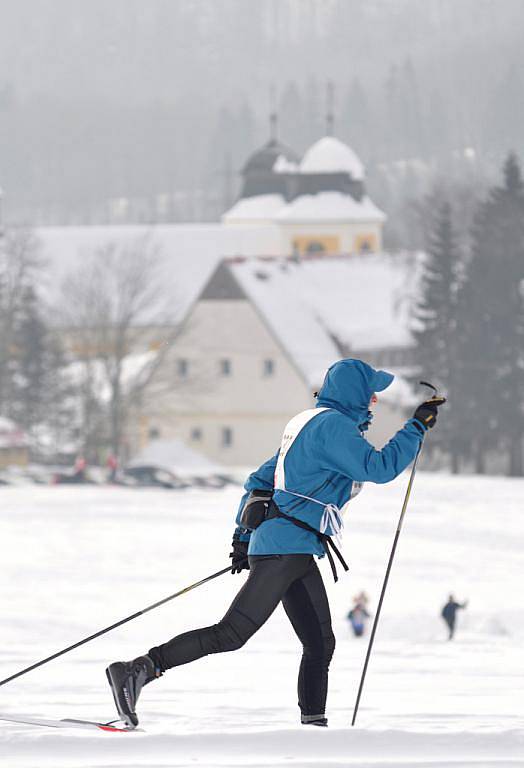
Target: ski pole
438,400
117,624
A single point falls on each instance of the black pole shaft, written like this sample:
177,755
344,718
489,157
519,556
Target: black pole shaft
114,626
385,584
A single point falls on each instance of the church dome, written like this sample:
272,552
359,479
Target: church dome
330,155
267,170
264,159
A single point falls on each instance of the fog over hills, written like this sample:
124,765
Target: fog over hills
125,98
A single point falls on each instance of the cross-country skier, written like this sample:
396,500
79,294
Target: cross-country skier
449,614
287,517
358,614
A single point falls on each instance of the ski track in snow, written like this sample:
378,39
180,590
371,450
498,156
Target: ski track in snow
77,559
275,748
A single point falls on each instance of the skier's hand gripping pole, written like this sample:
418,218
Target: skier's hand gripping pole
426,413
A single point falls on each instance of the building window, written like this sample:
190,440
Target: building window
182,367
313,245
227,437
366,243
196,434
269,367
154,433
225,367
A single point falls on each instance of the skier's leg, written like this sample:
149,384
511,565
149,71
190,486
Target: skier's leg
307,607
269,579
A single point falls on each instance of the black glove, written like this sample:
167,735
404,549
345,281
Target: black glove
427,411
239,555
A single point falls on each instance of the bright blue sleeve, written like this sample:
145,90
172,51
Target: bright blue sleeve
263,479
349,453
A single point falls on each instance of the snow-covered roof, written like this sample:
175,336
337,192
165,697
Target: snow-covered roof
331,207
189,252
363,302
7,425
258,207
400,392
330,155
175,456
11,435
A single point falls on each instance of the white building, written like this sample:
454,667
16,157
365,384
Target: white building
290,281
309,206
257,342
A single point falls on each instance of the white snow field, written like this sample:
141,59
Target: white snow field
77,559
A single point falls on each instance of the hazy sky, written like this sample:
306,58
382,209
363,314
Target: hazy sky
141,50
142,97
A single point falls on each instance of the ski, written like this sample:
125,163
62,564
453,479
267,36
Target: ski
65,723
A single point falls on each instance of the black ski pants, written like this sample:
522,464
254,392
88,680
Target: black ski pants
296,581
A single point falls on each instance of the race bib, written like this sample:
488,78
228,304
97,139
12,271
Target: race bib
291,432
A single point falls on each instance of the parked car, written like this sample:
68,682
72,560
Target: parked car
151,476
209,481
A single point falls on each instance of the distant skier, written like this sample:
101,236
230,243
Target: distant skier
112,468
80,470
449,614
289,513
358,614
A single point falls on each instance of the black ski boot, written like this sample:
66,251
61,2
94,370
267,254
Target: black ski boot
127,678
314,720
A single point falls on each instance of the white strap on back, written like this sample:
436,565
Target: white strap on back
291,432
331,518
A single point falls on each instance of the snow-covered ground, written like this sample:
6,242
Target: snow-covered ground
77,559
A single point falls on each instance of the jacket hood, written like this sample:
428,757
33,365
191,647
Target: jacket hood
348,386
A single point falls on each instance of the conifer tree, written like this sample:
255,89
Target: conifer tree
42,396
492,310
30,336
435,327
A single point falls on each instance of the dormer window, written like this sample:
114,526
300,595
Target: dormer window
268,367
366,243
225,367
182,367
227,437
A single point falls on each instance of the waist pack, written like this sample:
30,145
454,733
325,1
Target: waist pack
260,507
255,509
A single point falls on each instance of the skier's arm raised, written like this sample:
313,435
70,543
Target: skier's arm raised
351,454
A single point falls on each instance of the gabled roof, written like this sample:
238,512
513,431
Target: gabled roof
320,309
189,252
222,286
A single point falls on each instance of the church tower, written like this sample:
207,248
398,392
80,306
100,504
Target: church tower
316,205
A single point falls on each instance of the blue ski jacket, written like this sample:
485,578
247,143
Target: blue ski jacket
329,459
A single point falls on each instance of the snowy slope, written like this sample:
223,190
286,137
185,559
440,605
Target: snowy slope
75,560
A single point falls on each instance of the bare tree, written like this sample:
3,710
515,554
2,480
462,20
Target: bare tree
110,305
